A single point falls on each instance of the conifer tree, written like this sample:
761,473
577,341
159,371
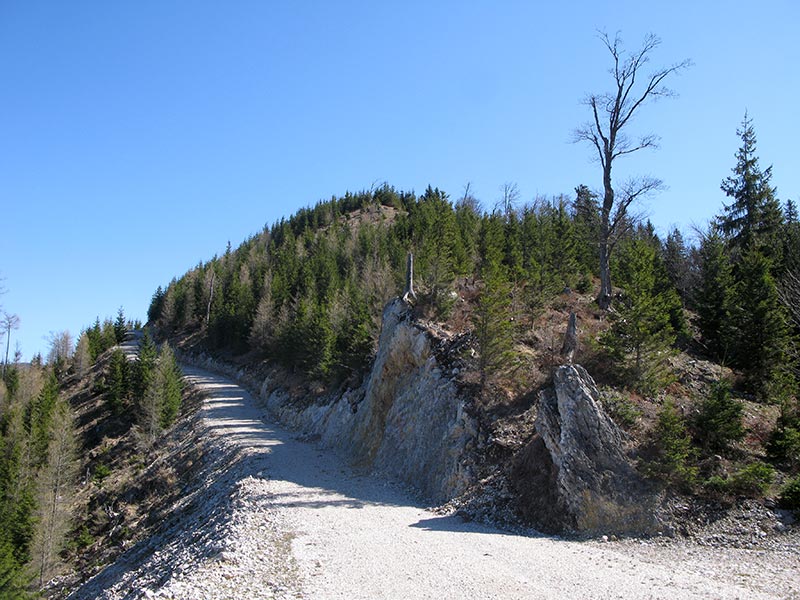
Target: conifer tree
586,212
676,262
144,366
82,359
170,381
754,215
120,326
54,482
672,447
641,336
117,381
161,401
761,326
493,326
714,298
719,421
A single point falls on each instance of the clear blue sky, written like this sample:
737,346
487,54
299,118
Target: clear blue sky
137,138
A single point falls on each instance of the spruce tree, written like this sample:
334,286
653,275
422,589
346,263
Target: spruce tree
117,381
641,336
714,298
761,331
170,381
754,215
120,326
144,366
493,325
587,228
719,420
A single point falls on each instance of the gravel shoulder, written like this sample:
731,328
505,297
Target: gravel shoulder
293,520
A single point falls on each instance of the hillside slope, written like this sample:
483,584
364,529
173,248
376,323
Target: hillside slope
276,517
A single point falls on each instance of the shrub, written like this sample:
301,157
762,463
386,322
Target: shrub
751,480
101,471
790,494
784,443
624,412
719,423
672,448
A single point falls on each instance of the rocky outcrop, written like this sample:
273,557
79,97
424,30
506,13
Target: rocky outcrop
574,474
407,419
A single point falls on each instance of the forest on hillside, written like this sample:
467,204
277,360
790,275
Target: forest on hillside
307,294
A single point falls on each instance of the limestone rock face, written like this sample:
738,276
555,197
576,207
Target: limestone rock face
584,481
407,418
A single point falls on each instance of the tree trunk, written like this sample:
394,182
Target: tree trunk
604,298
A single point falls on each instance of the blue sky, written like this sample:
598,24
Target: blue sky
137,139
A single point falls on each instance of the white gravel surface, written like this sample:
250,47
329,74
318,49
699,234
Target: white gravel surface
300,523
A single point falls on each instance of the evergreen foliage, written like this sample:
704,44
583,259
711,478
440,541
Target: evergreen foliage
309,291
117,381
641,335
761,331
754,217
493,326
160,402
714,299
120,326
672,447
719,421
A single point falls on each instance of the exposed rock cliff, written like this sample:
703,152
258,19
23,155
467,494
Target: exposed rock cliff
575,473
407,418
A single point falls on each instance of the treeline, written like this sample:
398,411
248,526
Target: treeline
39,461
308,291
36,475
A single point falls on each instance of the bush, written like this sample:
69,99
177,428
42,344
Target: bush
719,423
752,480
784,443
790,494
624,412
672,448
101,471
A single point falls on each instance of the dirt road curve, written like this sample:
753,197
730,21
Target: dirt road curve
354,536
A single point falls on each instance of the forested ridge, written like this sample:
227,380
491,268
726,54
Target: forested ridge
306,295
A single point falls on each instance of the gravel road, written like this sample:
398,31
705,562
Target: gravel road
295,521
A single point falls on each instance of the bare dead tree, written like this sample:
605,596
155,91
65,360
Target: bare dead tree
507,203
409,292
7,324
570,345
607,131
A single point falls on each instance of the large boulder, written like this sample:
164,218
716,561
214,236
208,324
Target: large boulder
574,475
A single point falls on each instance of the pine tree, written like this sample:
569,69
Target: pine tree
719,421
170,379
120,326
144,366
641,336
714,298
761,331
117,381
493,325
754,215
54,482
